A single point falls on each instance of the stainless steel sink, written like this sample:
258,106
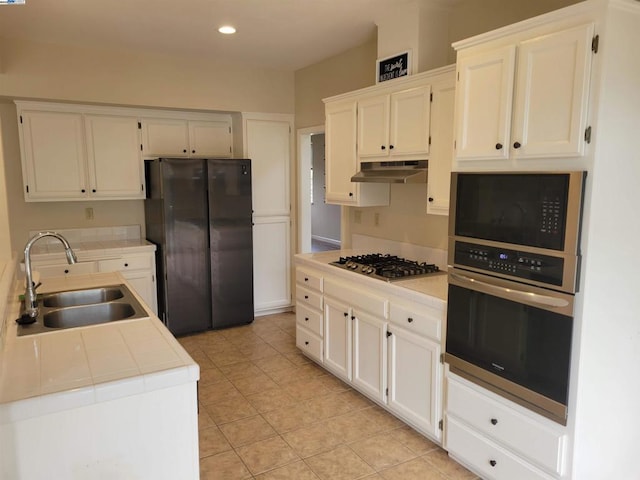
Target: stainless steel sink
82,297
88,315
80,308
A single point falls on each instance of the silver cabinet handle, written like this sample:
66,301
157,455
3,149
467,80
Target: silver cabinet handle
516,295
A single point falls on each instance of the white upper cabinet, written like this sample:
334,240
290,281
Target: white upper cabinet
165,137
113,153
395,124
70,155
392,121
485,93
177,137
524,100
53,155
210,139
342,160
340,146
552,93
441,156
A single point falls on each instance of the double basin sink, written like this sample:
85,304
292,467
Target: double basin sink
79,308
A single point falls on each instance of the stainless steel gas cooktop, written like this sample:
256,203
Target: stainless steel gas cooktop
386,267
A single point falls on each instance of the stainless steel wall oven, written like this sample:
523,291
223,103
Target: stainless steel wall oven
513,270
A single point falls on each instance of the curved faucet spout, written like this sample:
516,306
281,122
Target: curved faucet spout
30,301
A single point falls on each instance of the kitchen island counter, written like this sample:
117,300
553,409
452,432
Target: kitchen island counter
113,399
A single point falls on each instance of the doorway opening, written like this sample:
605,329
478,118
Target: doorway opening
319,222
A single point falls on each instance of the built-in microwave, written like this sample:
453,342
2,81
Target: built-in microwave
514,260
522,226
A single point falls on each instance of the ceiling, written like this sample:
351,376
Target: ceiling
279,34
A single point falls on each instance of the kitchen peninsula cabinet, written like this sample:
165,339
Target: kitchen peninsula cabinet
179,137
69,153
540,80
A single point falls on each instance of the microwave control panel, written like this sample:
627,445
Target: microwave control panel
514,263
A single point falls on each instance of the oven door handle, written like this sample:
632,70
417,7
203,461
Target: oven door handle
514,294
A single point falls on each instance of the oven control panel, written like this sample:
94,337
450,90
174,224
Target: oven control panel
514,263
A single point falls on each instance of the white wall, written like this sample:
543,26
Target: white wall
72,73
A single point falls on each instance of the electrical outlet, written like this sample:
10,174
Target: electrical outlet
88,213
376,219
357,216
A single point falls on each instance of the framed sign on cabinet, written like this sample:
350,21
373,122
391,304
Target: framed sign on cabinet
395,66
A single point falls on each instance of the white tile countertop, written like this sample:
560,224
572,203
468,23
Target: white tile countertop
430,288
79,366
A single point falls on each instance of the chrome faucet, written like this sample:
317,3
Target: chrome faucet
30,299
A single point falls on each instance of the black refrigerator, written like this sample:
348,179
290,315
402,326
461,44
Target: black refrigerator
198,213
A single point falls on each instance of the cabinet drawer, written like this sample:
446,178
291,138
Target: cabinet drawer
358,299
417,319
81,268
309,297
310,344
310,319
489,460
142,262
309,279
534,440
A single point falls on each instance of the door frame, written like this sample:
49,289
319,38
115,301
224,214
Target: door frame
304,185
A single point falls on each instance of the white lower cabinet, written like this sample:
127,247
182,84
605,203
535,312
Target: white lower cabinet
498,439
309,317
385,347
139,270
415,370
415,379
355,337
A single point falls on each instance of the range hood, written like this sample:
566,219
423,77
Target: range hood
404,171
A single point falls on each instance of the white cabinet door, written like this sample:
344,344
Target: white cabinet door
441,158
113,153
268,145
410,121
342,162
210,139
370,355
53,150
271,263
483,104
340,152
552,90
337,337
415,376
165,137
373,126
145,286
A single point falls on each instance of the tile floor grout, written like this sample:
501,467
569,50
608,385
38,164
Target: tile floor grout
269,413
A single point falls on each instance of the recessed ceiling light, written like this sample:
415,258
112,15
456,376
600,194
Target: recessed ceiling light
227,29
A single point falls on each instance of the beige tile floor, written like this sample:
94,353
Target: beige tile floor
268,413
